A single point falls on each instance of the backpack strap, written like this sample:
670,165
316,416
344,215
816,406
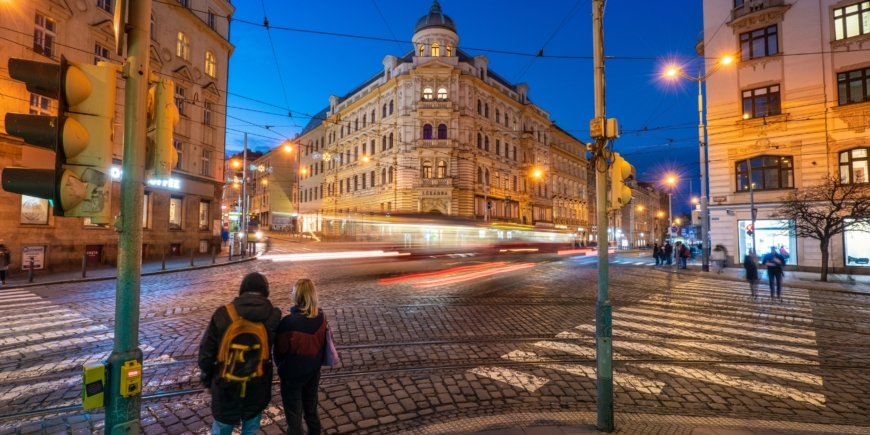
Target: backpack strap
231,310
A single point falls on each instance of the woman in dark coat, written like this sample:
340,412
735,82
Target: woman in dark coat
750,263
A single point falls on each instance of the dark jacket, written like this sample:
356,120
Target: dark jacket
300,344
669,249
657,251
226,405
751,268
777,267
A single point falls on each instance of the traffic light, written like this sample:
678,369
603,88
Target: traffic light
620,194
80,135
750,230
162,118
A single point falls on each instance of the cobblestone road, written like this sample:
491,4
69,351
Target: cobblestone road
506,341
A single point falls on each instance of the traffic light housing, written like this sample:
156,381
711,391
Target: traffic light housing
162,118
620,171
79,185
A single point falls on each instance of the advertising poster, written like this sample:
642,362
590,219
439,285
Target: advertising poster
35,253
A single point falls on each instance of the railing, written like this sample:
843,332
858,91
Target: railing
435,143
436,182
435,105
750,6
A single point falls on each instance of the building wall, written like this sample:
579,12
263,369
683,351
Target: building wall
76,37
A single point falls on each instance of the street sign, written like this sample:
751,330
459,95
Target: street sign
720,198
35,254
674,229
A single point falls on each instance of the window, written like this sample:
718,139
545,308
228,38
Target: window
355,183
427,169
761,102
101,54
427,131
364,120
384,114
210,64
372,149
497,116
384,143
514,184
768,172
182,49
151,29
436,49
40,105
390,141
758,43
356,125
44,35
852,20
384,177
449,51
442,94
206,112
421,50
442,169
363,180
180,148
479,108
392,174
185,3
498,147
486,143
479,141
442,131
853,166
146,205
480,175
515,153
105,5
391,107
206,163
179,100
427,94
203,215
210,19
34,211
175,212
373,116
853,86
486,110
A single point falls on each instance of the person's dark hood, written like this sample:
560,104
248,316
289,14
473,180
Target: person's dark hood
253,306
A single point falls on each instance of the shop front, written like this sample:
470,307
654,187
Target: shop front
768,233
856,244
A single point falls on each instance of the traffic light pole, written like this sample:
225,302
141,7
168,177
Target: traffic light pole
122,407
243,204
603,308
705,226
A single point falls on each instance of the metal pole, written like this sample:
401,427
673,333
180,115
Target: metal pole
191,257
243,219
84,265
751,207
705,235
213,254
603,308
485,205
163,262
122,413
30,272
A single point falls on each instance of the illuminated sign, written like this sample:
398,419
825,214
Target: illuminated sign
171,183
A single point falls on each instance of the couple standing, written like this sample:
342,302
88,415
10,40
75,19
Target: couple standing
236,365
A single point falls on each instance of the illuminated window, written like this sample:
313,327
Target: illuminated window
852,20
34,211
203,214
175,213
853,166
421,50
761,102
182,48
449,51
442,169
768,172
101,54
427,94
436,49
427,169
442,94
210,64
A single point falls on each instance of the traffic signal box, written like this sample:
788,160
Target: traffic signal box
80,135
162,118
620,171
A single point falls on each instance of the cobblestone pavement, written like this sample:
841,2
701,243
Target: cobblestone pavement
506,342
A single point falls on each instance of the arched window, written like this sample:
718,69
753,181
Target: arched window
486,143
436,49
479,141
442,169
486,110
442,94
384,114
442,131
770,172
545,140
427,131
373,148
480,175
183,47
449,51
515,153
853,166
392,174
479,108
389,74
427,94
391,107
427,169
342,131
364,121
498,147
515,124
497,116
486,179
390,142
210,64
384,143
506,122
421,50
384,177
356,125
507,152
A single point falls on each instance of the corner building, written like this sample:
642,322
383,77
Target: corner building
437,131
189,45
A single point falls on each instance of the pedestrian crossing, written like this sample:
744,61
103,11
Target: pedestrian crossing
674,326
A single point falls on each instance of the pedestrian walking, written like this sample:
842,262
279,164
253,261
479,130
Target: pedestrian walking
300,349
657,254
750,264
684,255
234,357
5,259
774,262
668,251
718,258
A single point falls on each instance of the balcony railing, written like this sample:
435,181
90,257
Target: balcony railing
435,105
750,6
435,143
436,182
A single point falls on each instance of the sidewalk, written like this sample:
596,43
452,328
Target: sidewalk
98,272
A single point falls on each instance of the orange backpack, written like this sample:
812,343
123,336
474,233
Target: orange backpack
243,353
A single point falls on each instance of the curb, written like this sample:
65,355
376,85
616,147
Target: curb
106,278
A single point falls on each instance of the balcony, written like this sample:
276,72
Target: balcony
435,105
751,11
435,143
436,182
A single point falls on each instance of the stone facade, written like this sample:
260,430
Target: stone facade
190,46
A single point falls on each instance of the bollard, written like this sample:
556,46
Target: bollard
213,254
84,265
163,267
231,252
191,257
30,272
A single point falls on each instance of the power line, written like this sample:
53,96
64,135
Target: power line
388,25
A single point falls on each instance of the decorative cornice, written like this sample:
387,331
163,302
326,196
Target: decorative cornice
760,146
856,116
761,126
847,43
760,61
767,15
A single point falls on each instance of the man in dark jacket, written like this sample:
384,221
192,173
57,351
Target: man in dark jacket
229,405
668,251
774,262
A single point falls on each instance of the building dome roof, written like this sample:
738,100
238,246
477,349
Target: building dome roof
435,18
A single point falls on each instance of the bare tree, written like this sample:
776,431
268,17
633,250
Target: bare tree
824,210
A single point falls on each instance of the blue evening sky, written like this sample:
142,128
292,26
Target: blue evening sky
316,66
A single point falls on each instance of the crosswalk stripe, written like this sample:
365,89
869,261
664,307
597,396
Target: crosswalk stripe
625,380
512,377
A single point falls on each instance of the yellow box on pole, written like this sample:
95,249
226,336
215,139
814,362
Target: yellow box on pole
131,378
93,385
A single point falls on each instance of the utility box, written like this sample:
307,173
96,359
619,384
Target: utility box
93,385
131,378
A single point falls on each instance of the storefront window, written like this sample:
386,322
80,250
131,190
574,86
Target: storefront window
856,243
146,206
203,215
34,211
768,233
175,213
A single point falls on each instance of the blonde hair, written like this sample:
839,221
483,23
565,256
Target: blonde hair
305,297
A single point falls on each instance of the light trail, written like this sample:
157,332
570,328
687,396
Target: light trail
471,276
333,256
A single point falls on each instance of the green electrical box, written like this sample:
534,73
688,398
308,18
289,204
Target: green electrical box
93,385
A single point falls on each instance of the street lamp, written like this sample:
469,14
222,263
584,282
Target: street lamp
537,173
288,148
673,72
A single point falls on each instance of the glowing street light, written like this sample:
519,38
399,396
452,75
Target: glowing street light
640,208
236,164
287,147
672,179
677,220
671,72
537,173
661,214
265,181
303,171
365,159
694,200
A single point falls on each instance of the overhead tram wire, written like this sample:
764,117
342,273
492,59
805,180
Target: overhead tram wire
568,17
401,50
275,57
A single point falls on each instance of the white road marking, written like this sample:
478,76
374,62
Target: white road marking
511,377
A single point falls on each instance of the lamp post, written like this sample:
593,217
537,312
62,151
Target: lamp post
705,236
